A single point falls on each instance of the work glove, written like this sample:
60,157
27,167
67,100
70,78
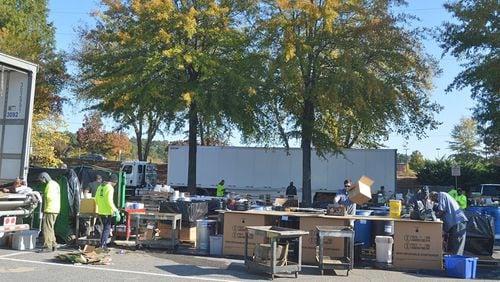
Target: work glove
117,216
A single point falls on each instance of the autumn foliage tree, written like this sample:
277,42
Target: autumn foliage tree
153,62
347,73
117,144
25,33
47,139
91,135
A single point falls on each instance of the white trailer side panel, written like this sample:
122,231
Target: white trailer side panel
270,170
17,80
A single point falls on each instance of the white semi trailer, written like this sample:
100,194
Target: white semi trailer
251,170
17,90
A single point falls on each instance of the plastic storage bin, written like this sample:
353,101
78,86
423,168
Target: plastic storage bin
460,266
24,240
384,248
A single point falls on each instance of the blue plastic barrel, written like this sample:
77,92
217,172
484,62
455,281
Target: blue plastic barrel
363,229
479,210
382,227
495,213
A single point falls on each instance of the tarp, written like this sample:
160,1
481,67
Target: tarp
480,234
191,211
70,198
87,174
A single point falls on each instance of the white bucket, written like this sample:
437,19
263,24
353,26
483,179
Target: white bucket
384,248
216,245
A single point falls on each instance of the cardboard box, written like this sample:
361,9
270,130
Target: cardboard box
187,233
332,246
286,203
361,191
418,245
234,232
88,206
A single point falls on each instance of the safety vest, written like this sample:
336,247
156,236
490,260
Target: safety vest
462,201
104,199
52,195
453,193
220,190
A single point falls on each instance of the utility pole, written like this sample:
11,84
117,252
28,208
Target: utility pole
405,147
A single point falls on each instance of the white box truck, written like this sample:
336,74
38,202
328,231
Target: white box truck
249,170
17,90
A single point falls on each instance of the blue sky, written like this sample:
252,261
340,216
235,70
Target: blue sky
67,15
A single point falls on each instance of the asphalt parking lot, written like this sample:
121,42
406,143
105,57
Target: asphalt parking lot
155,265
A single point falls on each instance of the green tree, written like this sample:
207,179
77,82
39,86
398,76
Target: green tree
465,141
417,161
474,37
438,172
120,74
26,33
148,62
348,73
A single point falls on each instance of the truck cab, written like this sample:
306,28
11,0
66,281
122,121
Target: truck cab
491,191
138,174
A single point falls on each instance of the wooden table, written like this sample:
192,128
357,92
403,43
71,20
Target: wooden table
417,244
274,234
176,219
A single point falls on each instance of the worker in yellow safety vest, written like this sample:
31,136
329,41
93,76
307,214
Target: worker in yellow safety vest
52,202
220,189
462,199
106,207
453,193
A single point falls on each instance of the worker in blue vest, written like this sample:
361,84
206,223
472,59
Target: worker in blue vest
342,198
454,221
106,207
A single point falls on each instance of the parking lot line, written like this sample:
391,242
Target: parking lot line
115,270
12,254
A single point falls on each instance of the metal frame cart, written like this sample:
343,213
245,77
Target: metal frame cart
345,262
93,219
275,265
176,229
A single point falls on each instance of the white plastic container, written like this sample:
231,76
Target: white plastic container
384,248
24,240
216,245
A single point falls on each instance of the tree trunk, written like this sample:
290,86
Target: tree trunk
138,135
193,128
307,123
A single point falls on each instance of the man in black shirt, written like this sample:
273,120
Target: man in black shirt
291,191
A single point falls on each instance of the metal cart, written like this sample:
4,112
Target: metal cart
275,265
93,220
345,262
176,229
